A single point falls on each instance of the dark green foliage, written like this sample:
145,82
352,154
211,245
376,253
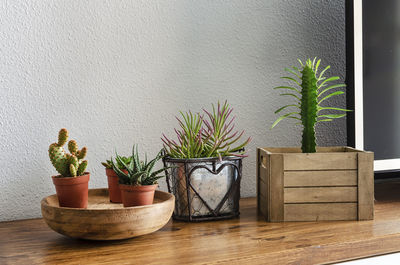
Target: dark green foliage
309,95
140,173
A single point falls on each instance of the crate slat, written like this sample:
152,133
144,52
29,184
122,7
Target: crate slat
312,178
320,161
366,186
276,184
320,194
263,204
321,212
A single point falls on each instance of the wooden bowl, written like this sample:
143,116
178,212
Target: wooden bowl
103,220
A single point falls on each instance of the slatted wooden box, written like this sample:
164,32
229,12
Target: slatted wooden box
336,183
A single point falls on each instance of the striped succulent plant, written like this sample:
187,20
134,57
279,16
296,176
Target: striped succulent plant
211,134
139,173
310,90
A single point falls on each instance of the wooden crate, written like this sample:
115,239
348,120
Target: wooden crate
336,183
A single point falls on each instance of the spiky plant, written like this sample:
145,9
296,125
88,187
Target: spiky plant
309,90
199,137
109,163
139,173
68,165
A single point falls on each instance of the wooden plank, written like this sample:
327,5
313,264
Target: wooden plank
320,178
320,194
263,168
366,186
321,212
262,180
263,207
263,190
352,149
276,188
284,150
321,161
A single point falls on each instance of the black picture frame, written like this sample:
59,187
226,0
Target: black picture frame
350,72
350,82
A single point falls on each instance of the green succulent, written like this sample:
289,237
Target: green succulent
139,173
68,165
211,134
109,163
310,91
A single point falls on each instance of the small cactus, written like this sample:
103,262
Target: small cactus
68,165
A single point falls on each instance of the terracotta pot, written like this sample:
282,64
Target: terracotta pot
137,195
72,192
113,185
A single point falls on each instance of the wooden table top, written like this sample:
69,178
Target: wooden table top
245,240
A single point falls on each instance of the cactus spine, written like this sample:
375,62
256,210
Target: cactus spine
309,92
68,165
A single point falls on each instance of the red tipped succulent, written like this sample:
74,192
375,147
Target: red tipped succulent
209,135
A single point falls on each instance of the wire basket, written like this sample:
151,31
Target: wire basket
205,188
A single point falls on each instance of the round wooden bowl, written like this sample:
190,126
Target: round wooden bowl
103,220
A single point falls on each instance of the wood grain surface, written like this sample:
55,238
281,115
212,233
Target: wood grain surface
103,220
320,194
315,178
246,240
332,175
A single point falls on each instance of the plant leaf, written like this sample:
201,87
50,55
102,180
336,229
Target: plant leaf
332,116
284,117
291,79
292,72
330,108
331,95
288,87
317,65
322,72
324,120
123,178
313,64
331,87
332,78
290,94
301,63
284,107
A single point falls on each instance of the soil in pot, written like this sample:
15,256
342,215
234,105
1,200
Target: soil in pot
113,185
137,195
72,191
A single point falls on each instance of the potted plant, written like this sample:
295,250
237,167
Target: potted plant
72,183
139,183
205,165
313,183
113,186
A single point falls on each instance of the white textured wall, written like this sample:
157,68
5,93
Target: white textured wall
116,72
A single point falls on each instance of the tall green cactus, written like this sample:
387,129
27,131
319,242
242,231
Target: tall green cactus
310,93
68,165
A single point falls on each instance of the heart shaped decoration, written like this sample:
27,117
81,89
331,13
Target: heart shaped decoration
211,187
